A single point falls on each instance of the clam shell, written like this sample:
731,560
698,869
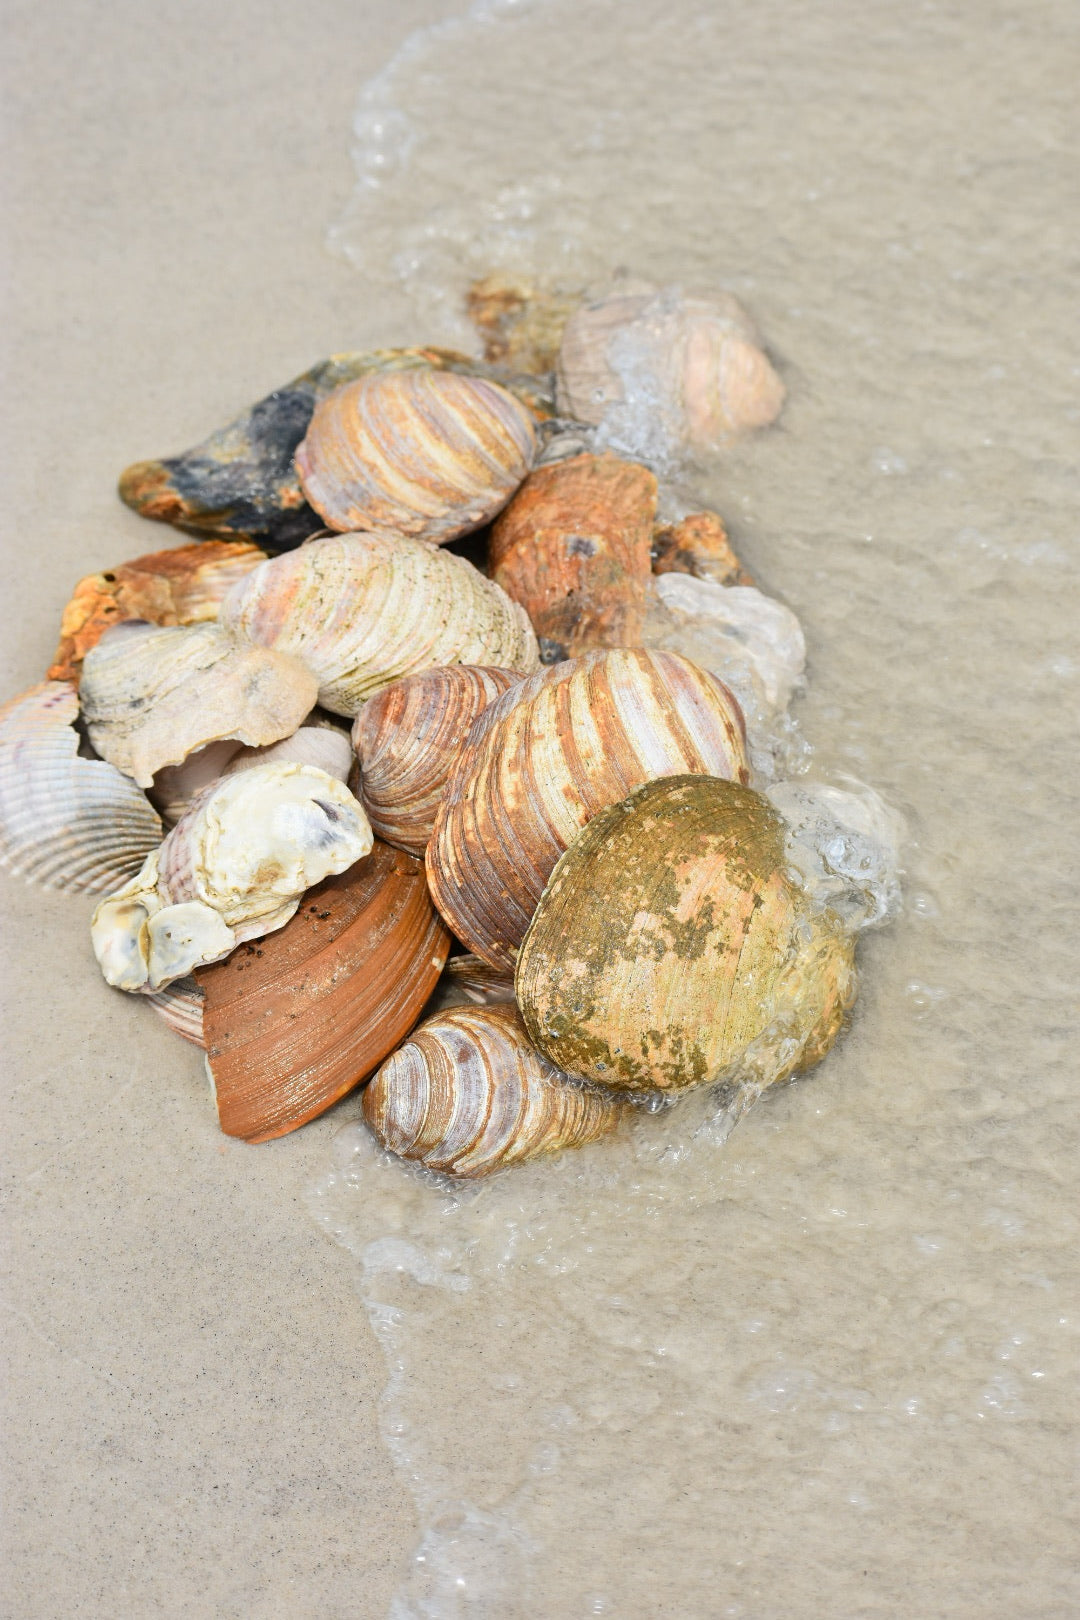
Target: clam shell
66,822
182,586
406,738
426,453
544,758
293,1025
573,547
152,696
484,985
698,545
467,1095
362,610
180,1005
670,950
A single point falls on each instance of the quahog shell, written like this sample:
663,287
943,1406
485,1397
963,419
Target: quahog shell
293,1025
66,822
363,610
545,757
671,950
425,453
467,1094
406,739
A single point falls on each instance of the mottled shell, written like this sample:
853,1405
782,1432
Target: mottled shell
292,1025
66,822
151,696
670,949
426,453
362,610
406,739
543,759
698,545
182,586
573,547
519,320
180,1005
233,868
467,1095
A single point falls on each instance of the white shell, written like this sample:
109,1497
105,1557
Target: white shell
736,631
325,747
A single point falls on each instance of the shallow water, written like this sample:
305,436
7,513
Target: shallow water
823,1364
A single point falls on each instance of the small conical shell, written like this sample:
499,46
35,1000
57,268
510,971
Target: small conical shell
543,759
362,610
66,822
426,453
671,950
152,696
406,739
180,1005
467,1095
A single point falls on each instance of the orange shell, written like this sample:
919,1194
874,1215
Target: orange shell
698,545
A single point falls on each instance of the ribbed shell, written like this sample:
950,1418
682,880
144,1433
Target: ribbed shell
180,1005
151,696
407,737
426,453
482,984
543,759
467,1095
362,610
66,822
295,1023
669,945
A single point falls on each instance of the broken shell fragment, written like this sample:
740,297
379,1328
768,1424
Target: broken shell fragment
467,1094
292,1026
670,949
66,822
698,545
519,320
425,453
406,739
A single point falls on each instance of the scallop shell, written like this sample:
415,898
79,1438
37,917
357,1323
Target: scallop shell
294,1024
670,950
573,547
467,1095
180,1005
232,869
362,610
544,758
152,696
425,453
406,738
66,822
182,586
698,545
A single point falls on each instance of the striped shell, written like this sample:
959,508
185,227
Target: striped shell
180,1005
406,738
670,949
426,453
543,759
362,610
293,1025
66,822
467,1095
151,696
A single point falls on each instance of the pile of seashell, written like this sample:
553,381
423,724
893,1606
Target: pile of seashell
325,790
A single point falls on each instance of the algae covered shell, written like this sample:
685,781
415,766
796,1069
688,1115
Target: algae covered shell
670,949
425,453
467,1094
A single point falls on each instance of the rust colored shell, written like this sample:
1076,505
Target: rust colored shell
406,738
424,453
182,586
573,547
467,1095
542,760
671,950
520,321
698,545
295,1021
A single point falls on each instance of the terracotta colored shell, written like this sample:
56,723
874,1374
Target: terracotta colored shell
467,1095
698,545
543,759
406,739
362,610
295,1023
180,1005
670,949
573,547
426,453
520,321
66,822
182,586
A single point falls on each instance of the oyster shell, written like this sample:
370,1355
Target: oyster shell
467,1095
698,545
544,758
742,635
